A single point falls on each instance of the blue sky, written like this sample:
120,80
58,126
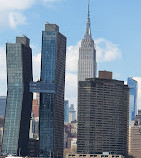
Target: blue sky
116,29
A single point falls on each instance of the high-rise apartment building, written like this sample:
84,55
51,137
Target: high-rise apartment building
103,116
19,99
87,65
2,106
51,112
132,99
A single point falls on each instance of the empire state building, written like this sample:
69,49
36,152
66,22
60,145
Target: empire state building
87,55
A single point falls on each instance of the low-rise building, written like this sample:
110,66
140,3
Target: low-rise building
107,155
135,137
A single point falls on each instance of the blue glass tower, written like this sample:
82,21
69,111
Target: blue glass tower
51,111
132,99
66,106
19,99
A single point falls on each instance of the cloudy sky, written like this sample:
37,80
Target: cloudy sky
116,29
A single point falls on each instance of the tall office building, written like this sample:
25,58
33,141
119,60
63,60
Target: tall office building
87,65
103,116
132,99
2,106
19,99
51,110
66,111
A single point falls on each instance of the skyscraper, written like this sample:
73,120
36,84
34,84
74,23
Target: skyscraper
51,111
132,99
72,113
87,55
66,111
103,116
2,106
19,99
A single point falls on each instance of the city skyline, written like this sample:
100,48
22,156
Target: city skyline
115,28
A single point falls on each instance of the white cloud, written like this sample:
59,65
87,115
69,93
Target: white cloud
50,1
107,51
12,10
15,4
72,58
16,18
3,76
71,88
36,66
46,2
2,63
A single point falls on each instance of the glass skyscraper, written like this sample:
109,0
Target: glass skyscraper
19,99
2,106
132,99
51,111
66,111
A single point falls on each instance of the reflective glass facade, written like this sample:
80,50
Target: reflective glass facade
51,111
2,106
132,99
66,106
19,100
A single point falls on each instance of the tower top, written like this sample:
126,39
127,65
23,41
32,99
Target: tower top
88,24
88,8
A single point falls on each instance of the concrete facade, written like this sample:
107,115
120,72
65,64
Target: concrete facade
103,106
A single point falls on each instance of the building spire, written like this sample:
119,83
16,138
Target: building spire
88,8
88,24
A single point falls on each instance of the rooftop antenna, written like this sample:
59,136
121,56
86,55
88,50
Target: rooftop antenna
88,8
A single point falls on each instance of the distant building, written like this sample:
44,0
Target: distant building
35,105
107,155
2,106
74,128
19,99
66,109
103,116
1,132
135,137
87,65
132,99
74,144
34,122
1,129
70,133
72,113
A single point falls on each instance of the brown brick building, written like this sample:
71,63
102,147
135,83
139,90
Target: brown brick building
103,106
